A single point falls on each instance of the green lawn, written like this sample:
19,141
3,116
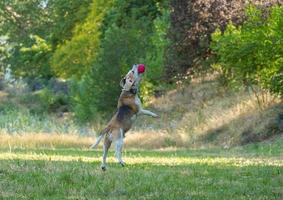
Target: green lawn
252,172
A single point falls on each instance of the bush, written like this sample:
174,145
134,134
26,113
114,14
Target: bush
82,100
155,54
75,56
52,102
252,53
192,23
132,32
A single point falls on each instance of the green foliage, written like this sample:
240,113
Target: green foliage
34,59
192,23
94,42
75,56
146,91
155,55
252,53
64,17
19,23
51,101
4,51
154,58
82,100
26,23
98,91
132,32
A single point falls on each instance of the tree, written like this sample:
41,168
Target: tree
192,23
128,36
24,28
252,54
75,56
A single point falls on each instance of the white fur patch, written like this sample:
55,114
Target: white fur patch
110,136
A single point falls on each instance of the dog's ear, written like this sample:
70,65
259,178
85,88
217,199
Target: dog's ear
123,82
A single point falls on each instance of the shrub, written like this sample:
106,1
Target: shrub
82,99
75,56
252,53
132,32
46,100
192,23
155,54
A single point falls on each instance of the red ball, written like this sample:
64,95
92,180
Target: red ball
141,68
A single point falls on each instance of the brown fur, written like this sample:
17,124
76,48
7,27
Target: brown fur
122,118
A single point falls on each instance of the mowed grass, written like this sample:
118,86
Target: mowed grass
252,172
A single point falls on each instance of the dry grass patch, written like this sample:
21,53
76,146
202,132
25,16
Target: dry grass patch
43,140
202,114
206,114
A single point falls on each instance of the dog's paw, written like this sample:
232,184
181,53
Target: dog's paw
122,163
103,168
156,116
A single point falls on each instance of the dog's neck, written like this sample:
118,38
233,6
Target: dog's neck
132,91
128,98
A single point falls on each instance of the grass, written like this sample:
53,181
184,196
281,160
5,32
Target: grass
40,140
248,172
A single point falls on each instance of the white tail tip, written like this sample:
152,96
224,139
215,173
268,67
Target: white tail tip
97,142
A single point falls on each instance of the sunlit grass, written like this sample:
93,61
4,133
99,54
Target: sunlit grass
166,174
169,160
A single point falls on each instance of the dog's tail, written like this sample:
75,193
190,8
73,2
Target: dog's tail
102,133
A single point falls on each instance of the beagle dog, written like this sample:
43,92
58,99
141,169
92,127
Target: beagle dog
129,106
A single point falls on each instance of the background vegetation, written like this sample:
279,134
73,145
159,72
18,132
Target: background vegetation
214,74
65,60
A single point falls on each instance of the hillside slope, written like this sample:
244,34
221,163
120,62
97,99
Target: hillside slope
201,114
205,114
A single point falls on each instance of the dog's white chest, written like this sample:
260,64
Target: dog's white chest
133,118
137,101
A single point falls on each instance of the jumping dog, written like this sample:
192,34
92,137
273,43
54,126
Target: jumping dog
129,106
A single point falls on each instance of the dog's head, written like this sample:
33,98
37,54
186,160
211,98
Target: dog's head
132,79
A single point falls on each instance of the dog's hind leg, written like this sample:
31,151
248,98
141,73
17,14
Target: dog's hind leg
106,146
119,146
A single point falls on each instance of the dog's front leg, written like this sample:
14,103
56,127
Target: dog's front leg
143,111
119,146
147,112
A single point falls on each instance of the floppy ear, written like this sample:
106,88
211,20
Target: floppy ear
123,82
